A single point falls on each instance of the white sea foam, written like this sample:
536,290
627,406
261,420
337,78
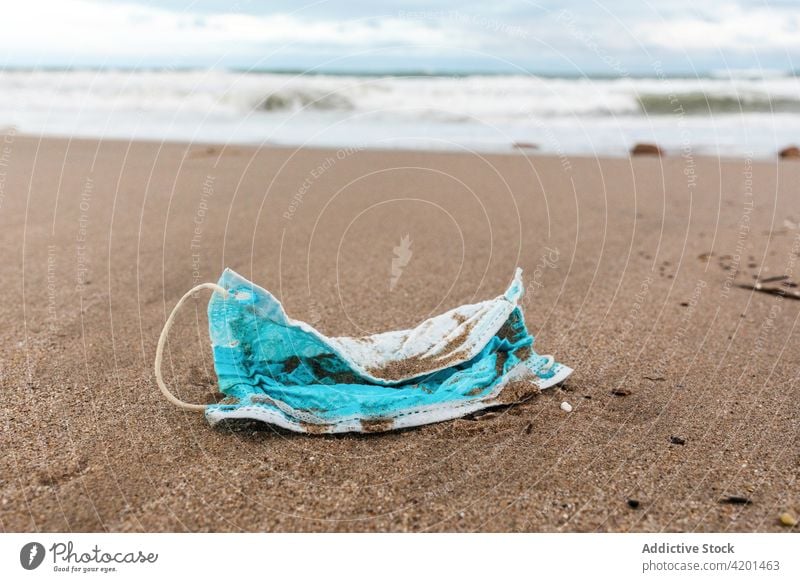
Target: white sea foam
742,114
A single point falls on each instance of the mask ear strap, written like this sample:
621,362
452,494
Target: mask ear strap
162,340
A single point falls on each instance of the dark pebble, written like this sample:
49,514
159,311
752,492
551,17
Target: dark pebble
736,500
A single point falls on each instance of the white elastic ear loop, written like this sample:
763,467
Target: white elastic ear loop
162,340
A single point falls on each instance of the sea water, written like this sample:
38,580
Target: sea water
748,115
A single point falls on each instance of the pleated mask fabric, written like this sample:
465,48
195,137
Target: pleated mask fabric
284,372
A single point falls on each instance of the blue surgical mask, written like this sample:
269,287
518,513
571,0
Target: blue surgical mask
284,372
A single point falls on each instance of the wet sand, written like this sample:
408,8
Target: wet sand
102,238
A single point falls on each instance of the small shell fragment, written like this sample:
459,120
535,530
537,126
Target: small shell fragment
788,519
566,406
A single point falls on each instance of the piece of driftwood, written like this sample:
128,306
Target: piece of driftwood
779,285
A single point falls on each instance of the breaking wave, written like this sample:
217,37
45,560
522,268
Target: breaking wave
699,103
298,100
455,99
482,111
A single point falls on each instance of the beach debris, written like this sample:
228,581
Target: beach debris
654,378
735,500
780,285
620,392
774,279
204,152
726,263
791,152
285,373
676,440
566,406
633,503
646,149
483,415
525,145
786,518
529,428
705,257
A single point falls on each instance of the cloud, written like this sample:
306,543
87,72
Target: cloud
86,27
731,28
533,34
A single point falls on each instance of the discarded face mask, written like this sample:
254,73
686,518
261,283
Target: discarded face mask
284,372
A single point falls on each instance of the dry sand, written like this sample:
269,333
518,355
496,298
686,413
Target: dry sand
101,239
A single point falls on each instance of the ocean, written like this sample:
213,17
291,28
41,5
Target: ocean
728,115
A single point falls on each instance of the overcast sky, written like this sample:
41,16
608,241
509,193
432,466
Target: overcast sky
566,37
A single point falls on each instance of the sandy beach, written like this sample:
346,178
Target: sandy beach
684,392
